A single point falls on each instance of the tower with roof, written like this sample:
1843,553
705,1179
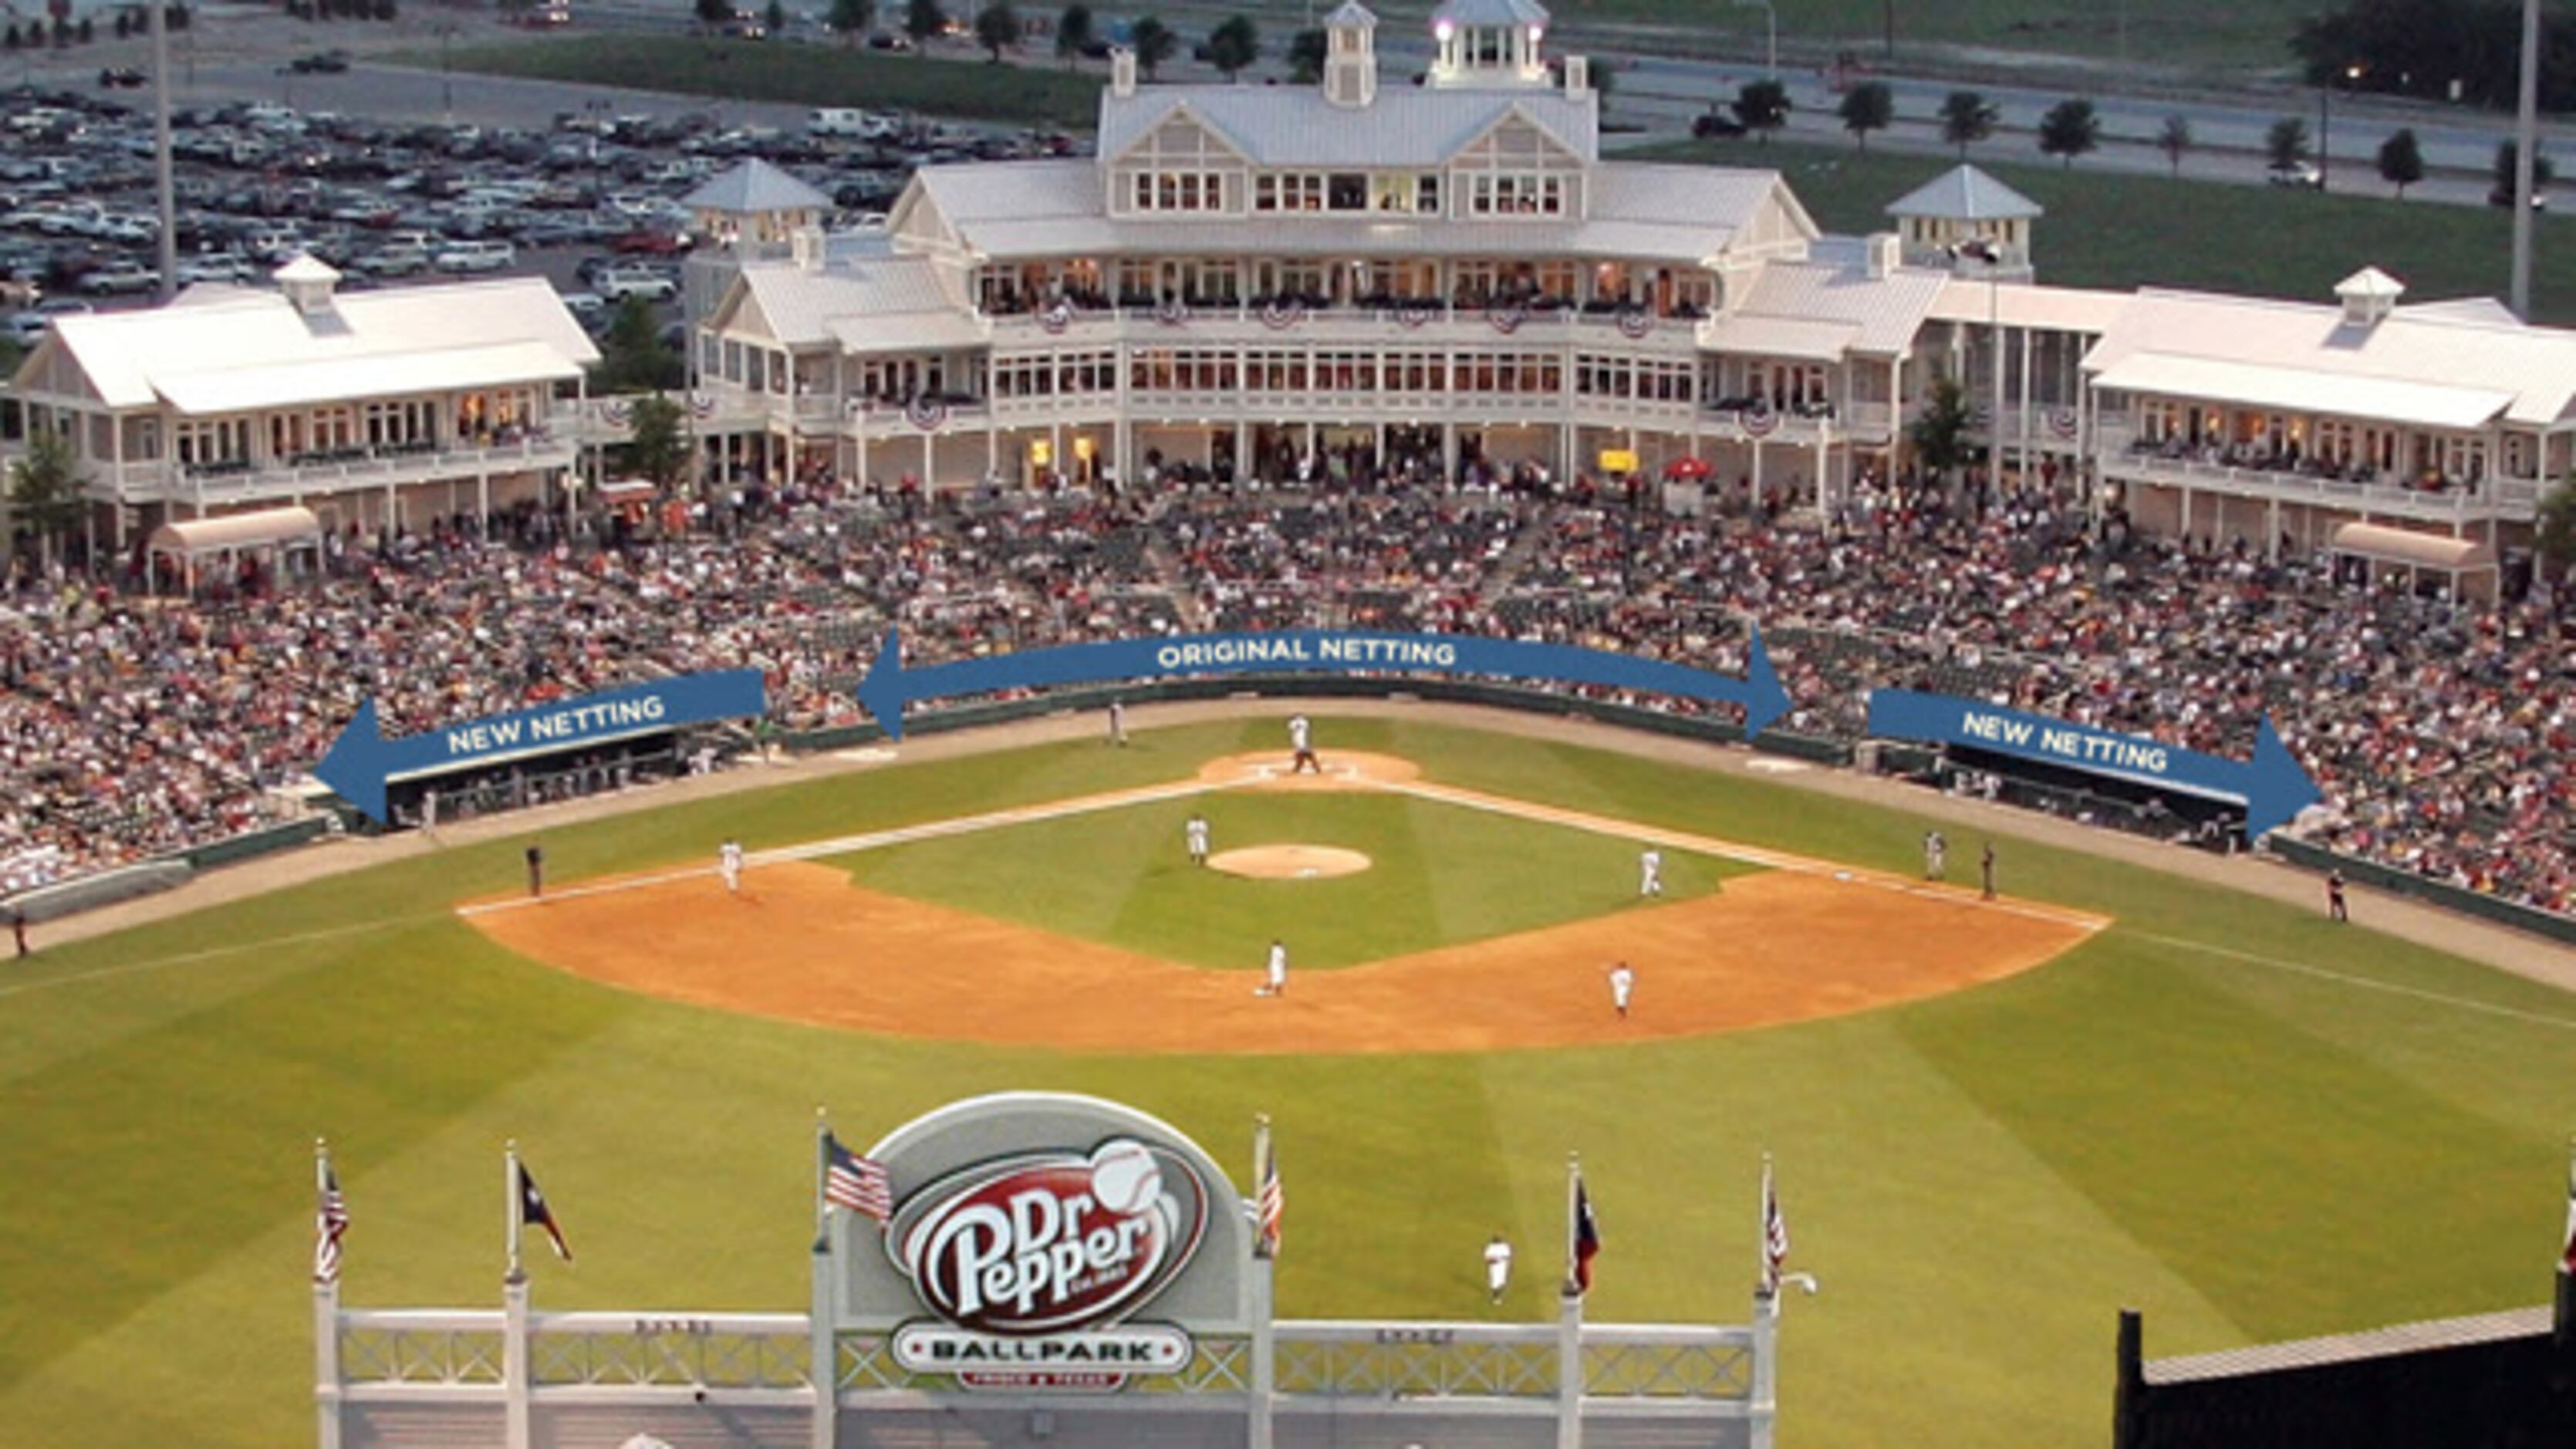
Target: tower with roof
1967,221
1350,56
1488,43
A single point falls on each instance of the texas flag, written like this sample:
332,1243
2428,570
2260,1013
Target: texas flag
1587,1238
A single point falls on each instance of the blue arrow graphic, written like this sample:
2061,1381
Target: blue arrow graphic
2273,785
362,759
889,686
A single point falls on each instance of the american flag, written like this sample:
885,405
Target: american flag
1775,1233
1273,1202
1587,1238
855,1182
330,1220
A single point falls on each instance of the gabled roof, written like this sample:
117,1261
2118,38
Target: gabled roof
800,306
2441,362
1491,14
1964,193
1882,313
1292,126
1352,12
755,186
132,358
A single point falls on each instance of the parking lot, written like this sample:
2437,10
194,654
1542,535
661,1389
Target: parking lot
314,154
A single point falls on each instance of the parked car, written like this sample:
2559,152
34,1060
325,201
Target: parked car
476,256
590,307
326,62
120,279
1716,122
121,78
616,284
650,244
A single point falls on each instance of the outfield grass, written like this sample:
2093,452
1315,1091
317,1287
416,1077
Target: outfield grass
1981,1180
2122,230
804,75
1439,875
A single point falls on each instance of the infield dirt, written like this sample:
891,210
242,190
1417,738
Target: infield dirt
802,942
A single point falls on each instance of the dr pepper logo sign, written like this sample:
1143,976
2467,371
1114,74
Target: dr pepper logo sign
1050,1242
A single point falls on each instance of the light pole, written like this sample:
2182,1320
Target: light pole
1770,36
2351,74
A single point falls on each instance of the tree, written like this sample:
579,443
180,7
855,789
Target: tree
713,13
1306,57
45,489
2401,161
1073,33
776,18
1869,106
923,20
852,18
1234,45
1967,118
2174,140
2541,172
1762,106
2555,539
1154,42
1940,435
632,357
2068,130
659,449
2285,146
997,28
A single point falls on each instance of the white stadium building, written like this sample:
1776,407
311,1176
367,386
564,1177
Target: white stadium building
1283,281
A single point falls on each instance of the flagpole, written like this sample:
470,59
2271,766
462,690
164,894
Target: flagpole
822,1173
326,1320
510,1195
1764,1285
1260,1184
1573,1220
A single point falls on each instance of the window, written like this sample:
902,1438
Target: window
1515,193
1179,191
1290,191
1347,191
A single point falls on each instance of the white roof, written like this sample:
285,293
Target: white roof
1638,212
1352,12
2299,389
2026,304
1883,313
800,305
306,267
2412,546
326,380
1491,13
2426,364
1780,337
910,332
1294,126
128,355
1964,193
2370,282
257,529
754,186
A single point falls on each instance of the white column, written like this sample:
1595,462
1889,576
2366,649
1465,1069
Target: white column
1260,1276
1569,1370
326,1361
929,444
516,1430
1766,1368
992,444
824,1361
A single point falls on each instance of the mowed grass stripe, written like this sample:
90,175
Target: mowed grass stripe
2127,1077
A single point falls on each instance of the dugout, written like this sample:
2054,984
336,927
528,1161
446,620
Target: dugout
2158,809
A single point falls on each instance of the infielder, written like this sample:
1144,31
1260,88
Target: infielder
729,865
1650,872
1936,856
1623,984
1986,869
1195,833
1301,738
1498,1267
1278,972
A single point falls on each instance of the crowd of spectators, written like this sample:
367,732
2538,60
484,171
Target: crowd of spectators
2441,732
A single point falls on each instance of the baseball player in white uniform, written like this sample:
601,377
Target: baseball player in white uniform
1650,872
1301,738
1498,1267
1936,855
1196,834
1623,984
1118,723
1277,985
729,865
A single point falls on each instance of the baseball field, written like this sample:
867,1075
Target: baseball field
1995,1122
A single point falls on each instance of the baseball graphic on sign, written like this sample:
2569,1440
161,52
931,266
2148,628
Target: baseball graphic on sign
1124,1178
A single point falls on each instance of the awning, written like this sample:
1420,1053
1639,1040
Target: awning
2438,552
622,490
2387,400
235,532
344,379
1780,337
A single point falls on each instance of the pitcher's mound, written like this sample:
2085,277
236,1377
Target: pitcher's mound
1288,862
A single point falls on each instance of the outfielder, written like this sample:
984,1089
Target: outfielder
1118,723
1623,984
1936,856
1301,738
1498,1267
1650,872
1278,972
1195,833
729,865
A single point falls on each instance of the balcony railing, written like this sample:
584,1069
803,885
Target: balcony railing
2123,456
1373,322
354,469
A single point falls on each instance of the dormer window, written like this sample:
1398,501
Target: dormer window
1179,191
